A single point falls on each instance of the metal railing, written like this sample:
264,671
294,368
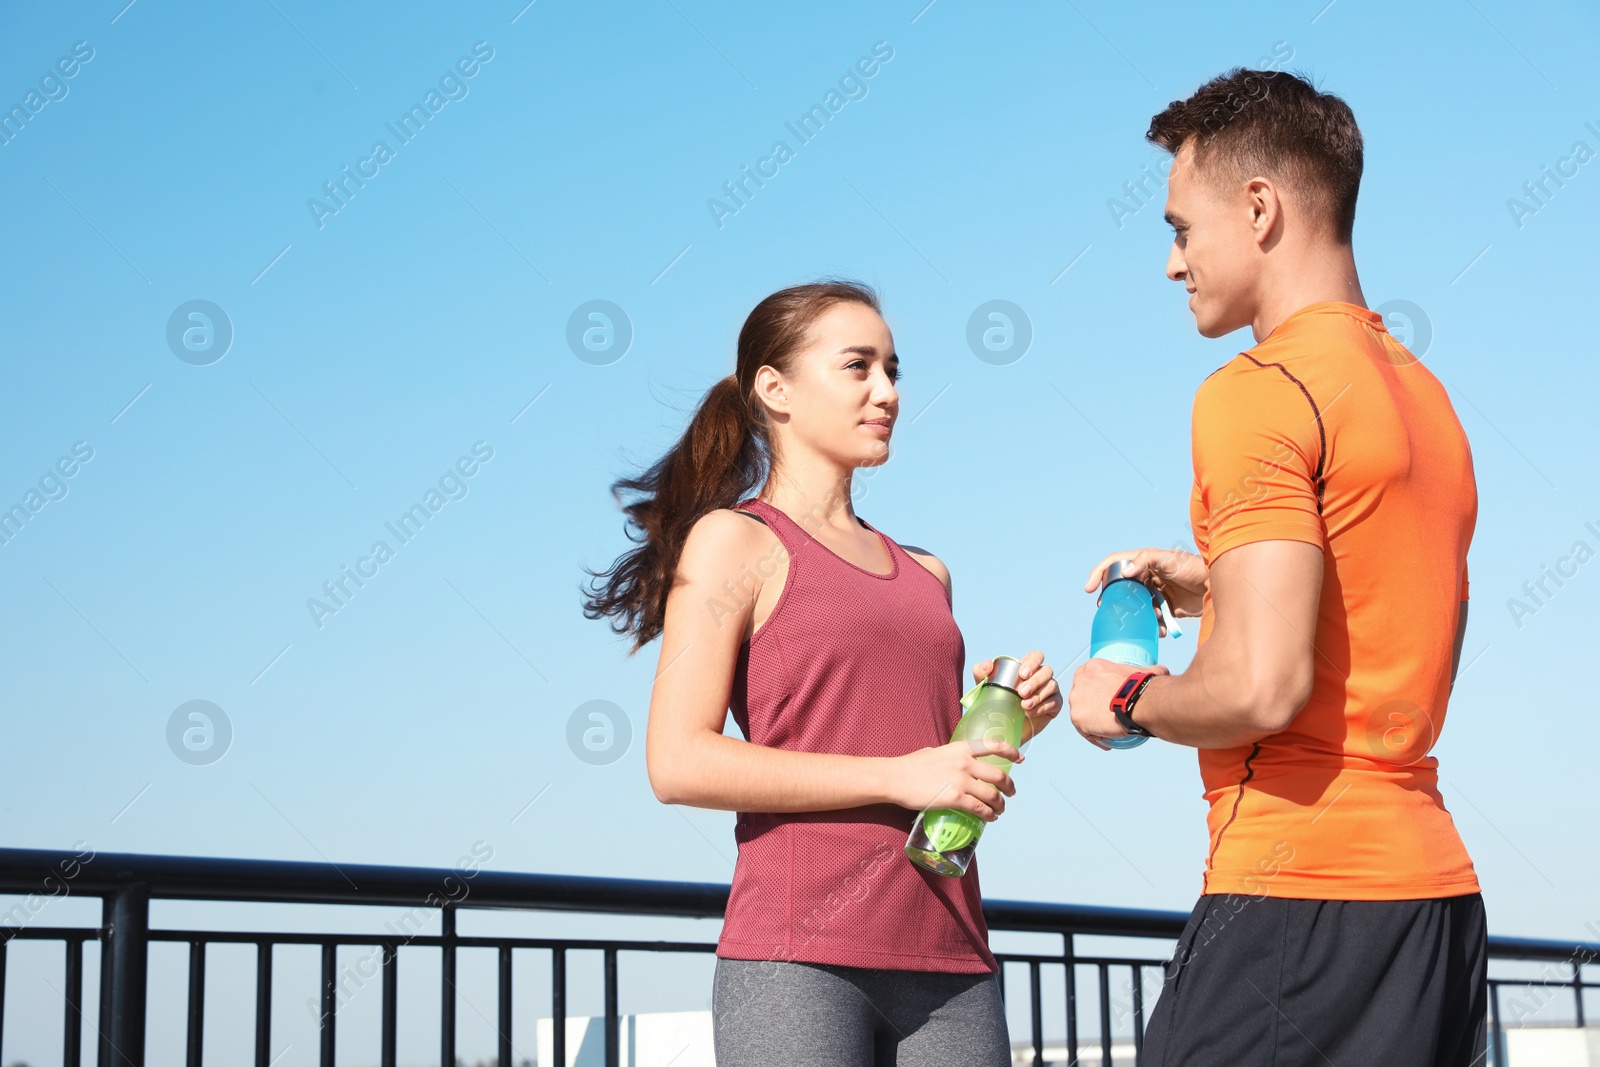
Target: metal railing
126,883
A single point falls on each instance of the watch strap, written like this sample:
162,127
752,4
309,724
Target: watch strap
1126,696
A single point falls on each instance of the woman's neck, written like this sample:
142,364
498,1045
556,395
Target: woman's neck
815,494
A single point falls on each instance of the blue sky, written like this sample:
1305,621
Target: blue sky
374,347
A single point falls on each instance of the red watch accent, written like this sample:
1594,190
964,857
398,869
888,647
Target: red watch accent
1126,695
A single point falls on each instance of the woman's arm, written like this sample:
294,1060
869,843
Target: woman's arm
691,761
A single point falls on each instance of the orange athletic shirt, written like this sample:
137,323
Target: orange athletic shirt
1330,432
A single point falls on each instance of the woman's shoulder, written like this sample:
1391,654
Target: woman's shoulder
723,538
930,561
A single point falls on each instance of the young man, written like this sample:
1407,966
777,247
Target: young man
1333,503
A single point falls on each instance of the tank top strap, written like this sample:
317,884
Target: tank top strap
896,551
795,538
784,528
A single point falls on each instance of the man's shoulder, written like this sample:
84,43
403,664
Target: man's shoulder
1252,397
1259,375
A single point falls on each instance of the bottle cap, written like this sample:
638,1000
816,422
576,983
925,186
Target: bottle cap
1114,572
1004,673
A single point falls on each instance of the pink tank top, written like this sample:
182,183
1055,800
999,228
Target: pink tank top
861,664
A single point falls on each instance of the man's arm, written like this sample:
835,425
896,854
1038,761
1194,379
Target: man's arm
1255,670
1257,460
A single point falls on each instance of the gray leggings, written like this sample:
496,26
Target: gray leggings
768,1013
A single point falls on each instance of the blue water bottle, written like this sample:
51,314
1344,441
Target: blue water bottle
1126,629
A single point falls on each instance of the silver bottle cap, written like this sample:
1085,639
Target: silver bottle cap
1004,673
1114,572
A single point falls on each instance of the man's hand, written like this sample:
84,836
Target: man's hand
1041,695
1093,686
1252,675
1179,576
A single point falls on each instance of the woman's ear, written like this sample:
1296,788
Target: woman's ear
772,389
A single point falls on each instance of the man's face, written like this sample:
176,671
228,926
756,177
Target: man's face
1214,246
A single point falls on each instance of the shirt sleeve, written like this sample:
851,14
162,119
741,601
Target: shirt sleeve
1256,444
1463,580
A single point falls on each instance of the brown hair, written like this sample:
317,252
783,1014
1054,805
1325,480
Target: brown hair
1270,122
725,452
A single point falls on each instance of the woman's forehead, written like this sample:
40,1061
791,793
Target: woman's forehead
851,326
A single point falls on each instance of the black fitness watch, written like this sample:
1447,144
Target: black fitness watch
1127,694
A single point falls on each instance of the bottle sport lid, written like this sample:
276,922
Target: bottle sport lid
1114,573
1005,673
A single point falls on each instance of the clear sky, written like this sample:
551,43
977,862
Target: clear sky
378,338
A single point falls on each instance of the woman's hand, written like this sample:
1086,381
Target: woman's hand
1179,576
952,776
1041,696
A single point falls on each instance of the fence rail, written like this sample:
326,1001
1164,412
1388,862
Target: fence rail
126,883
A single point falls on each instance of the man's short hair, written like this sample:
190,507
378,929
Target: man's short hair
1276,124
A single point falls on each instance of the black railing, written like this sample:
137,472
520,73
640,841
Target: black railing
127,883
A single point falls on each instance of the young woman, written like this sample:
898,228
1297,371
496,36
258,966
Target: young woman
836,649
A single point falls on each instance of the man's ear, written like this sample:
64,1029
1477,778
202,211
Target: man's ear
772,389
1266,209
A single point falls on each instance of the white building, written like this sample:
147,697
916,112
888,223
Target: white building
683,1039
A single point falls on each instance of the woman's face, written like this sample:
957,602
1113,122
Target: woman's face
840,399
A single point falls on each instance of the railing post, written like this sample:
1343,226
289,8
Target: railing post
328,1036
1036,1010
505,1006
613,1044
1138,1014
391,981
1105,1013
102,1044
558,1006
1577,991
1067,953
197,1003
127,939
447,986
72,1026
263,1004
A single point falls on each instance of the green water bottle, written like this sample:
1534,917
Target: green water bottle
943,839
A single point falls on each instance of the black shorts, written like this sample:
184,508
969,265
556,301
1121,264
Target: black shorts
1263,980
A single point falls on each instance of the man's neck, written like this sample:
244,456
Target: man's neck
1316,274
